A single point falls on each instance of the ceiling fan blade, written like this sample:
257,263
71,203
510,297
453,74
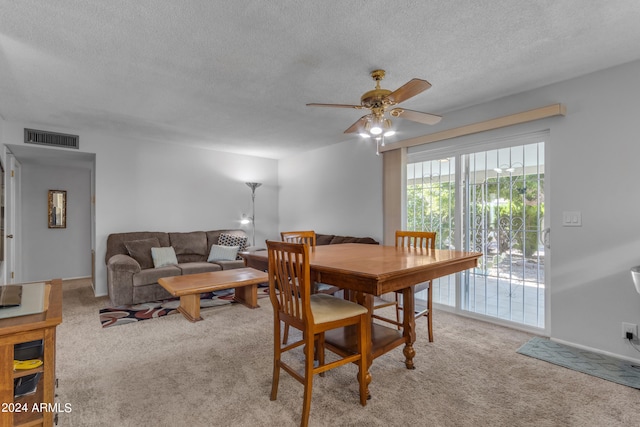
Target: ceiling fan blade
357,125
408,90
359,107
415,116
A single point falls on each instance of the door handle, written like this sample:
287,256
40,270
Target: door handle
9,236
545,237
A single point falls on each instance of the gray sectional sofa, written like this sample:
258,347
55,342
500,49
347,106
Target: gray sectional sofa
132,277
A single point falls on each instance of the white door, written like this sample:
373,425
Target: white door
12,218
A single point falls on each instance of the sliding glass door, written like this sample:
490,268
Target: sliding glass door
489,201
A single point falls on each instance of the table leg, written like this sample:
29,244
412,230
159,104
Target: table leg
409,326
247,295
190,307
367,301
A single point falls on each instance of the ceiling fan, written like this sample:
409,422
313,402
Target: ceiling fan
378,100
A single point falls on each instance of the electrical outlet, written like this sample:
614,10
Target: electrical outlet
629,327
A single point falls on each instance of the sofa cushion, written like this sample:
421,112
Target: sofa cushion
229,265
223,253
151,275
163,257
193,243
140,250
198,267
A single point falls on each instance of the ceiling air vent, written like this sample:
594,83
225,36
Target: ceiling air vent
52,139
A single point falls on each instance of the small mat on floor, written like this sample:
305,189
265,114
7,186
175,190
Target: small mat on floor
599,365
125,314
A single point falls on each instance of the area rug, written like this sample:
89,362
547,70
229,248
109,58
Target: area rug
125,314
599,365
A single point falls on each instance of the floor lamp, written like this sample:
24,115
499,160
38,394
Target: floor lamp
252,218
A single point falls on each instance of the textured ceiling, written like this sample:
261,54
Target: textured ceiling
236,75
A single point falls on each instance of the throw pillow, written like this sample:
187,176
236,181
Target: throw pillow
223,253
233,240
140,250
163,256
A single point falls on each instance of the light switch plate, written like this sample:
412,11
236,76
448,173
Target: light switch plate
571,219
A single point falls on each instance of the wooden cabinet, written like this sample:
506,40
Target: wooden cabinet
35,409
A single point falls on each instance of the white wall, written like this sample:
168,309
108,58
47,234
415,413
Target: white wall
55,252
153,186
593,160
333,190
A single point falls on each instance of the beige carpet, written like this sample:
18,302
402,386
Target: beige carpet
170,372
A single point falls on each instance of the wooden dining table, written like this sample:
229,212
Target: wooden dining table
366,271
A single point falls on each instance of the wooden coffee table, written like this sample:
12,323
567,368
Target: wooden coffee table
190,286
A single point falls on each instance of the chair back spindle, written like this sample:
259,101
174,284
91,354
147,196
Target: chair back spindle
290,282
416,239
306,237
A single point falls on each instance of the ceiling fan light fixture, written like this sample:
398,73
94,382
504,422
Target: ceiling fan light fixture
376,125
375,130
379,126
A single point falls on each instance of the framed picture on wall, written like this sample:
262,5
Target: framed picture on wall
57,209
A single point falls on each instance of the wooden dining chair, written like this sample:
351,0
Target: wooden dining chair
412,239
307,237
295,305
